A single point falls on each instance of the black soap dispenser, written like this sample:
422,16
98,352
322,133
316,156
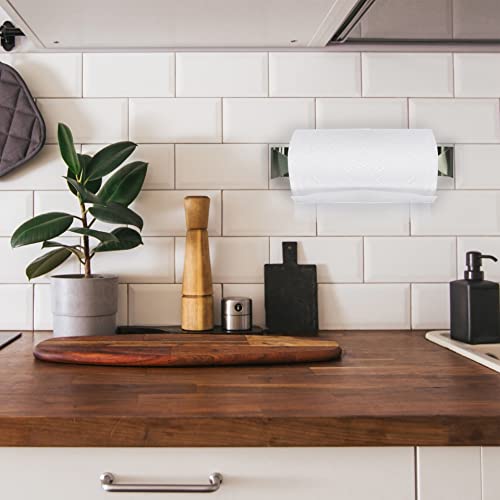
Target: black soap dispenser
474,304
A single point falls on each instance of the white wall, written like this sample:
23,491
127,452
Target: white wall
205,122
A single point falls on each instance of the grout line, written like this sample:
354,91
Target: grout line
415,471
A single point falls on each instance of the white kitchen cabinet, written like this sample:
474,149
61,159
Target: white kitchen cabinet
249,473
449,473
491,472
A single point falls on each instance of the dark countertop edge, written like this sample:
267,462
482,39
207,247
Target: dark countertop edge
248,431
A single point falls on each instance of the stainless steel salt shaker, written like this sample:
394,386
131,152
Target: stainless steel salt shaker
236,314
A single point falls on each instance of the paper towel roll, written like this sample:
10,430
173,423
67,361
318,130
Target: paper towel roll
363,166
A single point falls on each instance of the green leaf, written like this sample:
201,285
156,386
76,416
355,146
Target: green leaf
92,186
40,228
85,194
100,235
72,248
127,238
109,158
67,148
116,214
47,263
125,184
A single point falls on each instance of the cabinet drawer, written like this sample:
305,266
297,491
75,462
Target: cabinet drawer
449,473
249,473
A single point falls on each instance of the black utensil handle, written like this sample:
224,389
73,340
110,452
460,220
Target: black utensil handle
4,342
289,252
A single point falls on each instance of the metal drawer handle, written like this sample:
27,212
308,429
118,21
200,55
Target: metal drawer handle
108,484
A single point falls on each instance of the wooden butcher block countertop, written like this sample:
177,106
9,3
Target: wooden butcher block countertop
390,388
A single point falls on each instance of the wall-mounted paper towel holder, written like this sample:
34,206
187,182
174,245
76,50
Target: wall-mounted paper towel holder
279,161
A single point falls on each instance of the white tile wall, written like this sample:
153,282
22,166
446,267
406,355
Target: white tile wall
205,121
265,120
48,75
457,120
129,75
262,213
361,113
477,75
464,213
477,166
302,74
402,75
430,306
175,120
410,259
231,74
222,166
15,208
91,120
368,220
364,306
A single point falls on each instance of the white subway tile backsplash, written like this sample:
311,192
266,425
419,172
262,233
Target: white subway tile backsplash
360,219
430,306
256,293
129,75
221,166
175,120
233,260
361,113
458,120
43,172
477,75
161,304
483,244
152,262
265,120
19,258
16,307
410,259
205,122
305,74
161,169
42,307
163,212
477,166
364,306
15,208
337,260
263,213
221,74
407,75
463,213
48,75
91,120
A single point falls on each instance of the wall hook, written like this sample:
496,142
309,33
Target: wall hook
8,33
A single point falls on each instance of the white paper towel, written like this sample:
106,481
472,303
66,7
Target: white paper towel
363,166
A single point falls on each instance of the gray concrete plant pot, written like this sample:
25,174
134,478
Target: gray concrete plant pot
84,306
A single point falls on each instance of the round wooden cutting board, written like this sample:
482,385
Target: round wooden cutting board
186,350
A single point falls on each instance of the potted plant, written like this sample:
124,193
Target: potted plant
86,304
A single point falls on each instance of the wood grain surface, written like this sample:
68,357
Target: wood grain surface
390,388
185,350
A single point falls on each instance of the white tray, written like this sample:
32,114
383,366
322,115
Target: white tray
485,354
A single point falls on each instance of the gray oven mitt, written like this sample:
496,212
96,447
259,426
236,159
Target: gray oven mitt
22,129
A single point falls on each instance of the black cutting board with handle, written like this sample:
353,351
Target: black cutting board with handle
291,295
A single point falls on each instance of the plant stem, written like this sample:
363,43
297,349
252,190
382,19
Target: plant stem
86,244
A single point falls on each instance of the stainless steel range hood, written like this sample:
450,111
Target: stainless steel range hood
421,21
260,24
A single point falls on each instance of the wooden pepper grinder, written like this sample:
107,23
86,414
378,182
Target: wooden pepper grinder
197,293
